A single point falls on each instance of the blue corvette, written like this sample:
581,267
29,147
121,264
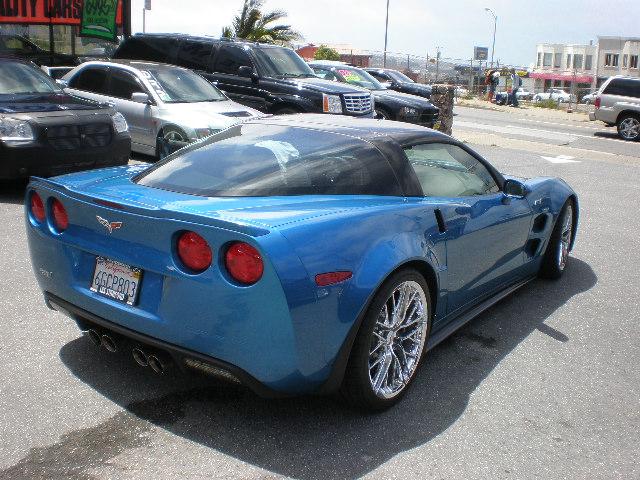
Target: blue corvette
295,254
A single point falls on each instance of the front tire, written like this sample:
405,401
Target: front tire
556,256
629,127
390,344
162,142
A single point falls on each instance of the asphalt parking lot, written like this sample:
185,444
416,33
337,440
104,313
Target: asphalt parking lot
543,385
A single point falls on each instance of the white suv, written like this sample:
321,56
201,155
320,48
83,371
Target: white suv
618,103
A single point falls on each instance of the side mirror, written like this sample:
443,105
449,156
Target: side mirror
247,72
514,188
140,97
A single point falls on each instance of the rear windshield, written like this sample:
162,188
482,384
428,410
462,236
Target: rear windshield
272,160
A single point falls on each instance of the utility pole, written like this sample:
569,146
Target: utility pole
437,63
386,30
495,25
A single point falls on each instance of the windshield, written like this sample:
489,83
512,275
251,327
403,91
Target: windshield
21,79
359,77
250,160
281,62
181,86
399,77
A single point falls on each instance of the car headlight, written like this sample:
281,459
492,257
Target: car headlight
13,130
331,103
119,122
409,111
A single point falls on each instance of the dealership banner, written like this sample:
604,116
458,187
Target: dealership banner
99,19
56,12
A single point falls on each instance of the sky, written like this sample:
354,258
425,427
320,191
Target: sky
416,27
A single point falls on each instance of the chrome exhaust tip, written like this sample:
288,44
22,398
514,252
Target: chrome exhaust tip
94,336
108,343
140,357
156,364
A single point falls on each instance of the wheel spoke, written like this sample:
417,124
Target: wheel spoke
383,371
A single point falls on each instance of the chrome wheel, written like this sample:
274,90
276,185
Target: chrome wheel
565,238
174,135
398,339
629,128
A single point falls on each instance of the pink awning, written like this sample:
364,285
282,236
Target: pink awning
567,77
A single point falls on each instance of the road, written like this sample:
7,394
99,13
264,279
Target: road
543,385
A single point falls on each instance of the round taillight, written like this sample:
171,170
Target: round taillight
194,251
59,213
244,263
37,207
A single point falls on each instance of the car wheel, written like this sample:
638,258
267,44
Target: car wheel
556,256
629,127
390,343
168,134
536,99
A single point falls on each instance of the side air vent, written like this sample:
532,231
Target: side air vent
442,227
539,223
531,248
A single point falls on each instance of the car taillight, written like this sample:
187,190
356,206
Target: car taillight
244,263
597,102
60,217
37,207
194,252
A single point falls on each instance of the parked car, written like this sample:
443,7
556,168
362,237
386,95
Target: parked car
44,131
166,106
618,103
589,98
523,94
389,104
296,254
17,46
555,94
56,72
398,81
269,78
460,92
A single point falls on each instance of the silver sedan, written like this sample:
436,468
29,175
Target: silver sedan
166,106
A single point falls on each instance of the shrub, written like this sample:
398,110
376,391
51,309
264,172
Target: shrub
326,53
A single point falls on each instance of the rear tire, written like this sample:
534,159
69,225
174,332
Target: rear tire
556,257
390,344
629,127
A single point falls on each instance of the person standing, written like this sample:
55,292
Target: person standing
516,81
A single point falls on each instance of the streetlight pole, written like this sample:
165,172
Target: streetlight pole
495,24
386,29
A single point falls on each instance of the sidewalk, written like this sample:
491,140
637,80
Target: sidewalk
527,110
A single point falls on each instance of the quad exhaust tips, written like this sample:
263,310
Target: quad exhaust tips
156,361
102,340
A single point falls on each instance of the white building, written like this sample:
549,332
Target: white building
617,56
561,65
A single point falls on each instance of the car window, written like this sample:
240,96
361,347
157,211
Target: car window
20,79
123,84
18,45
90,79
153,49
325,73
194,54
358,77
269,160
623,87
380,76
445,170
230,58
179,85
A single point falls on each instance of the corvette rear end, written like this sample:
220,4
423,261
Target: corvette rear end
206,288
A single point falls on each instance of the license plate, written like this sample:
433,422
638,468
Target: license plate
116,280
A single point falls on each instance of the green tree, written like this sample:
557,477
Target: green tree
255,25
326,53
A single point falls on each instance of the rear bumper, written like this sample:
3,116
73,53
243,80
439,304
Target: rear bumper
22,161
184,359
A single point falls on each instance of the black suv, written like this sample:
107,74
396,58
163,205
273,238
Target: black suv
270,78
398,81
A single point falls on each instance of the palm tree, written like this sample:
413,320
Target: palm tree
252,24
